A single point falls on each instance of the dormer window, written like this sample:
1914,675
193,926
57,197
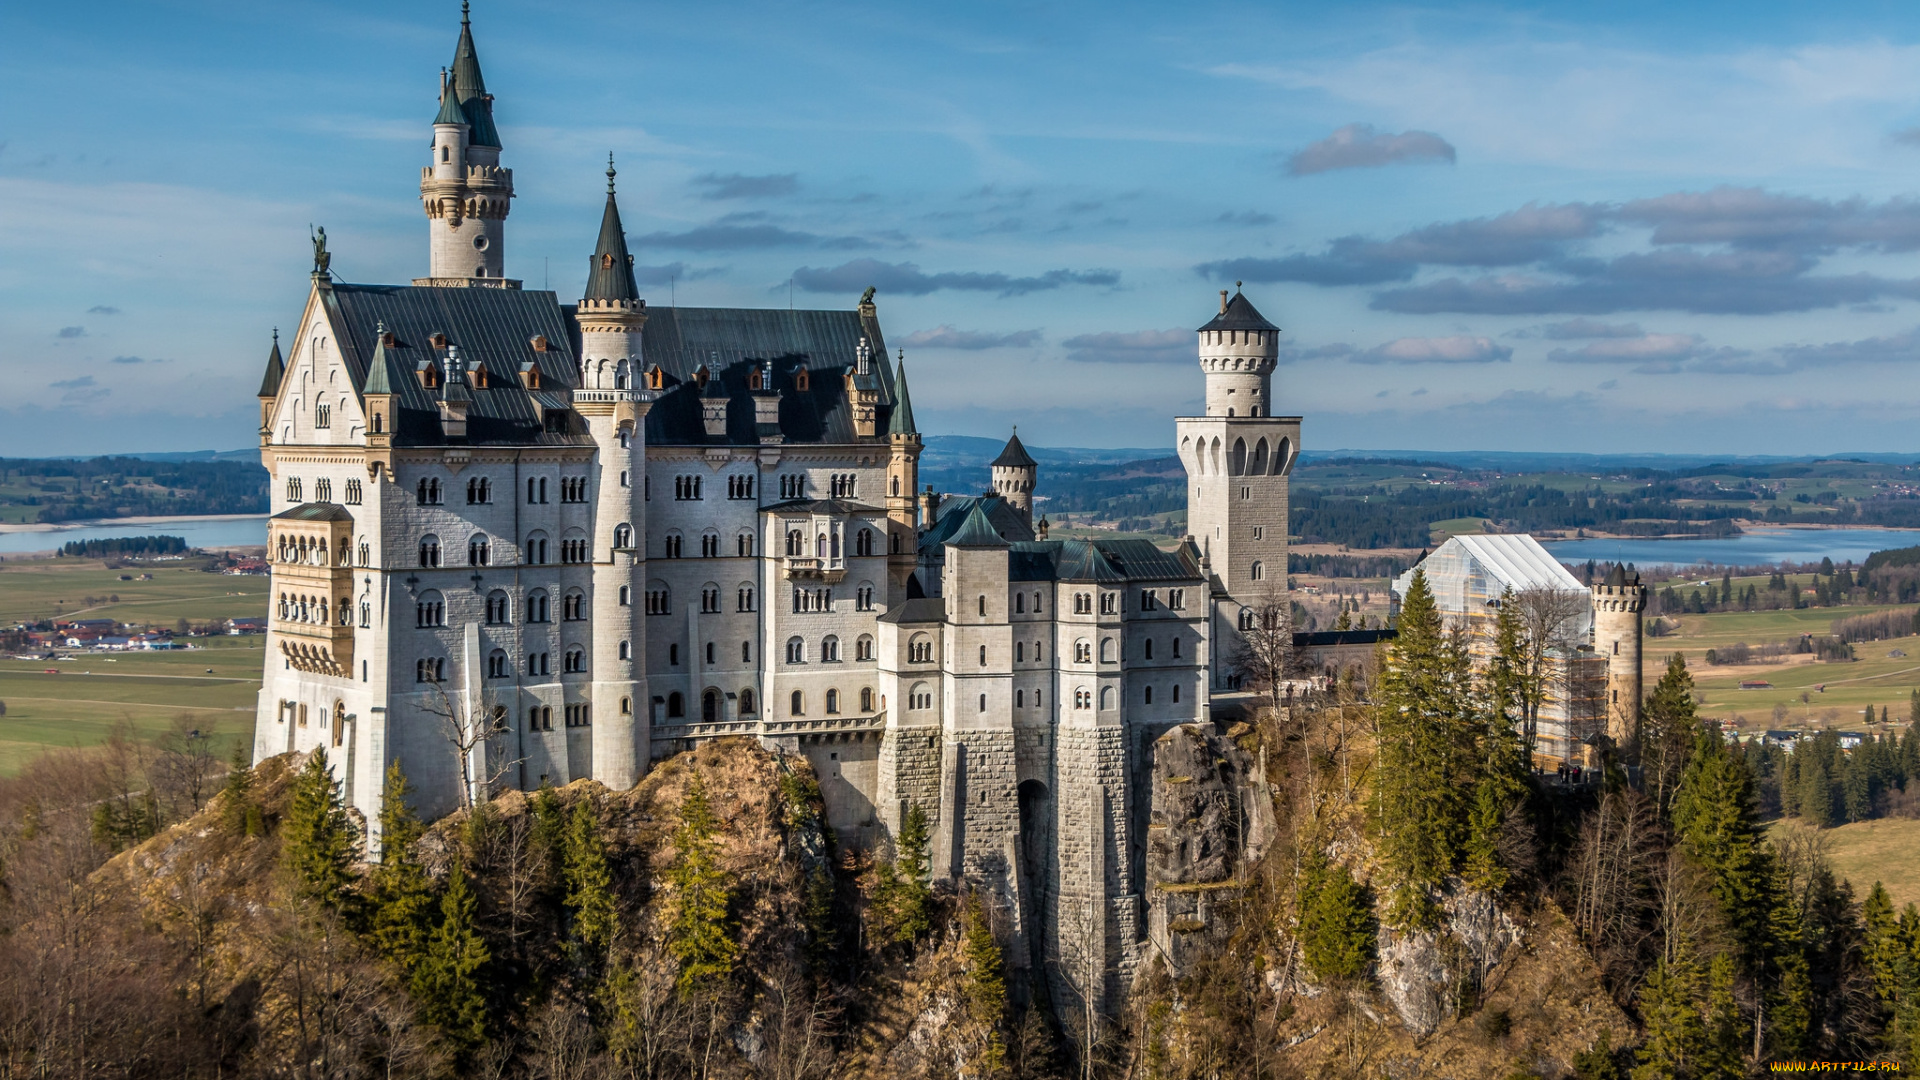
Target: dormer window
753,380
438,341
480,376
539,343
702,376
606,261
802,380
387,338
656,378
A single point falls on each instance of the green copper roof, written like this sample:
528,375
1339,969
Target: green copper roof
976,531
450,110
378,381
902,420
276,370
610,276
473,88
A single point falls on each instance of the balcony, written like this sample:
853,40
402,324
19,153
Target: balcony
801,568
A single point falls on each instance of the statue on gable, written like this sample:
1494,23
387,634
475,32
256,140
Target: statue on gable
322,258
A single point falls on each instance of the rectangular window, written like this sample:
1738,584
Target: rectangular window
1177,599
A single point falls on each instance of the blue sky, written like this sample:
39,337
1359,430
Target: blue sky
1596,227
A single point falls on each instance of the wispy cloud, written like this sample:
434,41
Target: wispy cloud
102,309
732,237
1460,349
1134,347
1359,146
946,337
908,279
72,332
739,186
73,384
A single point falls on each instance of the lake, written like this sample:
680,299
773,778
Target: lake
1754,547
226,531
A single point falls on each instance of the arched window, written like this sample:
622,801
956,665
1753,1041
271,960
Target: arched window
430,610
626,650
833,702
1019,603
863,542
537,609
746,702
743,597
1256,571
1083,651
920,649
576,660
1106,697
709,597
676,705
798,704
829,651
477,550
794,542
866,699
429,550
1019,699
497,664
626,596
671,545
919,697
983,604
796,651
534,551
622,536
983,703
1106,650
1147,647
1149,695
573,607
863,647
710,705
496,607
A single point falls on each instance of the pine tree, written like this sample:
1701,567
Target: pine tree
446,983
238,812
986,987
1668,723
817,914
1888,953
1722,1055
589,883
1715,820
1816,790
1337,938
1856,784
1669,1008
1424,715
913,900
1480,862
399,895
699,936
320,840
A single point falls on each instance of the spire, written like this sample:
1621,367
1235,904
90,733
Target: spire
378,381
276,369
1238,314
1015,456
450,110
473,89
901,423
611,274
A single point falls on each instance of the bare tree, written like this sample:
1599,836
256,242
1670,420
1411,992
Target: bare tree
562,1044
1550,622
1262,653
472,728
185,770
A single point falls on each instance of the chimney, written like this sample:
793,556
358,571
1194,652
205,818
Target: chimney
1223,301
929,507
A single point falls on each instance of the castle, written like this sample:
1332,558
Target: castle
516,542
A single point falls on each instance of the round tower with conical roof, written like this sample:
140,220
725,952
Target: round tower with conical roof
464,191
1014,475
1238,352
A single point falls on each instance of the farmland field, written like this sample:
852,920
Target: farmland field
1869,851
95,691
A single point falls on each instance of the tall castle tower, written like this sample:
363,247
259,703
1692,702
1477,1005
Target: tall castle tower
611,316
903,476
1014,473
465,192
1618,604
1238,457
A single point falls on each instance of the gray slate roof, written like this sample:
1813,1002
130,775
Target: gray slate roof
494,328
920,609
474,99
314,511
731,342
1014,456
276,372
1100,560
976,531
610,275
1239,315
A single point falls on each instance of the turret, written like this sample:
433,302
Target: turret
611,312
903,476
378,397
1619,602
1014,473
1238,352
464,191
270,387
